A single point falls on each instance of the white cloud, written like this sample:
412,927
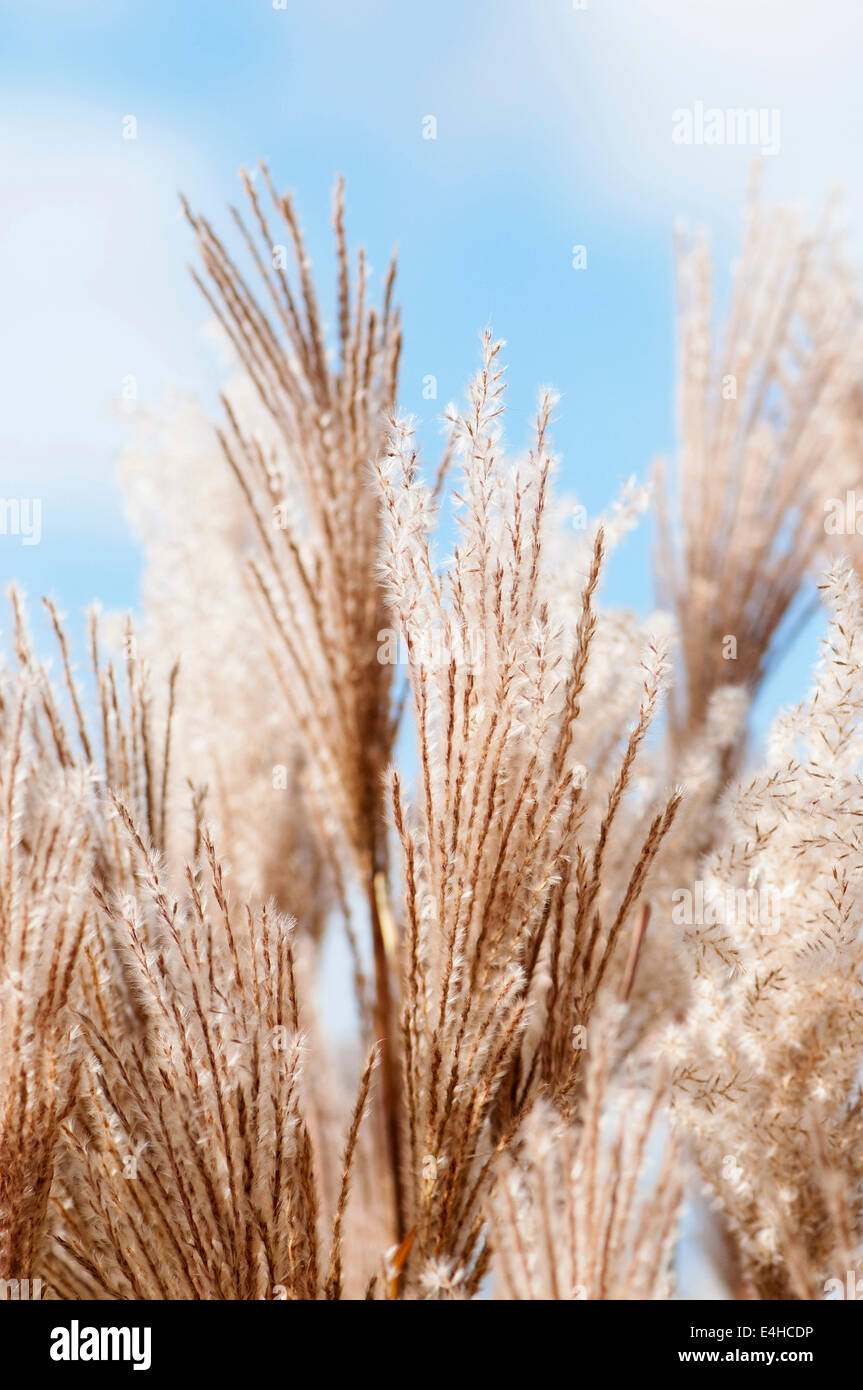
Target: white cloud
93,287
599,87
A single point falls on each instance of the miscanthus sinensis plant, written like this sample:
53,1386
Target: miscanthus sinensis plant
767,1062
378,698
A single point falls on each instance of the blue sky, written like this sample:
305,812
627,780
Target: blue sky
553,129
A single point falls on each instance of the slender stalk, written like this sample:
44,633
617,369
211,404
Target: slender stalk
385,1033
